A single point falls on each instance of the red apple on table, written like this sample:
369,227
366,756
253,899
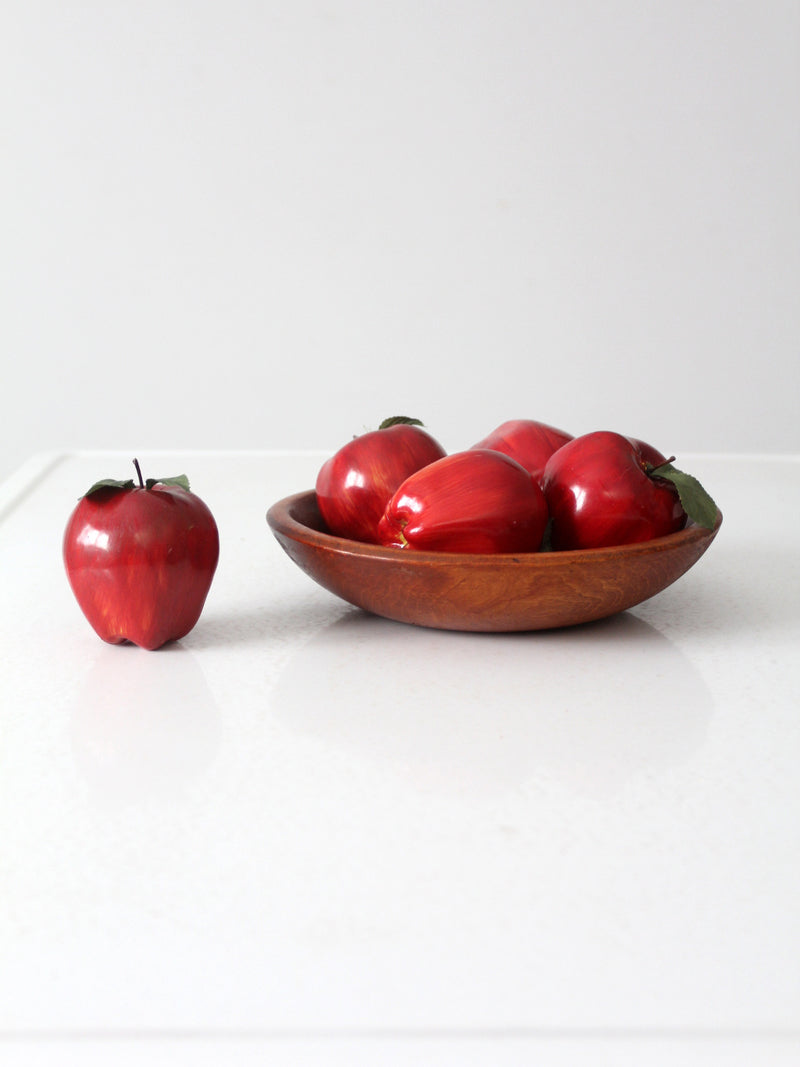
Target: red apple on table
354,486
606,489
140,559
529,442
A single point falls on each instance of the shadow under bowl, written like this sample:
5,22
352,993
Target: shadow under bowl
497,593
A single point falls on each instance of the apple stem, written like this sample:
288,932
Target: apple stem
649,467
139,473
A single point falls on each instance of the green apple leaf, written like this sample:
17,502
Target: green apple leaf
180,480
695,501
109,483
399,420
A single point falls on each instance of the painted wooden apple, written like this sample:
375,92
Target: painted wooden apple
140,558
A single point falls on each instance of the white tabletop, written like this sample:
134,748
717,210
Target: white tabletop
307,835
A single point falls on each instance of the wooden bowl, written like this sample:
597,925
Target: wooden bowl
488,593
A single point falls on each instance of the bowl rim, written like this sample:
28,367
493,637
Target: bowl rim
281,520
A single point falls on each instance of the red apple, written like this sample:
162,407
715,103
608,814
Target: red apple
605,489
140,559
354,486
529,442
473,501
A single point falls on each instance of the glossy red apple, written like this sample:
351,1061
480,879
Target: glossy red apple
354,486
605,489
529,442
140,559
473,501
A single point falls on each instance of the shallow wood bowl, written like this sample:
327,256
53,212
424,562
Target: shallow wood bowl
489,593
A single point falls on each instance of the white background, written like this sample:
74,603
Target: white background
259,224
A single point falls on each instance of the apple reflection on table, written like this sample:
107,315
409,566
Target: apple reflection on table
144,724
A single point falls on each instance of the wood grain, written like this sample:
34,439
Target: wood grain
488,593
